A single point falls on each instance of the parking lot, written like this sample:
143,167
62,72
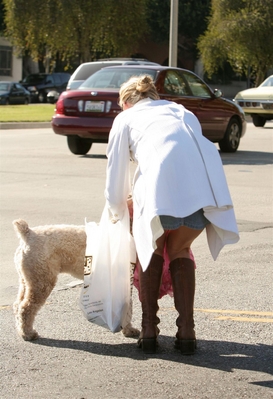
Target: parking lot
43,183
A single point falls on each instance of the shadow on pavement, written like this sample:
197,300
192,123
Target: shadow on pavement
220,355
247,158
96,156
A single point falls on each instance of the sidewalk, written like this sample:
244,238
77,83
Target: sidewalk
24,125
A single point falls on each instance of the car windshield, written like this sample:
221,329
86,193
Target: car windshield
268,82
113,78
34,78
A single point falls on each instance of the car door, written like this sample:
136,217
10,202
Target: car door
20,94
176,88
14,96
211,111
184,87
57,82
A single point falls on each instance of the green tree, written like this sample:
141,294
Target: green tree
2,26
86,29
240,32
192,22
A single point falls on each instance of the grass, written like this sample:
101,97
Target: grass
27,113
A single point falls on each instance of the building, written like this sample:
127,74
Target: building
11,66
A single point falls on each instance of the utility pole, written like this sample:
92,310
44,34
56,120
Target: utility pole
173,33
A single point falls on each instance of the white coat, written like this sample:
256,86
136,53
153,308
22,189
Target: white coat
179,172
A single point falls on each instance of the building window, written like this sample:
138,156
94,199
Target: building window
5,60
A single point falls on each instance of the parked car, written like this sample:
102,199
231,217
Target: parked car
53,95
86,115
88,68
13,93
39,84
258,102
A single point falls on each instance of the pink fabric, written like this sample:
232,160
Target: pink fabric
166,287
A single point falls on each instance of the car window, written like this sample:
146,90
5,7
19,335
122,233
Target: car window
13,87
4,87
175,84
87,70
34,78
198,88
113,78
74,85
58,80
268,82
18,87
65,77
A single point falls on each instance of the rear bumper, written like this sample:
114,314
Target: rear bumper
93,128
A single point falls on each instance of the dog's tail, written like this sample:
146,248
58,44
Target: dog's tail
21,228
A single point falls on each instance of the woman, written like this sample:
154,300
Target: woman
179,189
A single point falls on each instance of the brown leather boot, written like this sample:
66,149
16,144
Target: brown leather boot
149,286
183,280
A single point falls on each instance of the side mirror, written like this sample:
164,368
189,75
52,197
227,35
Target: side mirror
218,93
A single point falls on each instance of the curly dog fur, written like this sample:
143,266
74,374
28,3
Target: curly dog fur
43,253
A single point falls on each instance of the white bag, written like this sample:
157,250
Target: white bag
105,296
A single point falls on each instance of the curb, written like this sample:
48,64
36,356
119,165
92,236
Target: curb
25,125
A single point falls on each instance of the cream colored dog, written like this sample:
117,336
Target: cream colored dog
43,253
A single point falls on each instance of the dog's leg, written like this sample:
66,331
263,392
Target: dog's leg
29,307
128,330
20,295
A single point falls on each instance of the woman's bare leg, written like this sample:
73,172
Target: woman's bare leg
178,242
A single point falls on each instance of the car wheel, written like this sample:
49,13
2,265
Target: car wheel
26,102
6,102
78,146
231,140
258,120
42,97
51,100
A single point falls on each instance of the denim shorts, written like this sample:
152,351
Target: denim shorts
196,221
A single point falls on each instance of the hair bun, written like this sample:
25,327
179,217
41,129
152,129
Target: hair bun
144,84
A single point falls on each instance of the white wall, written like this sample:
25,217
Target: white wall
17,64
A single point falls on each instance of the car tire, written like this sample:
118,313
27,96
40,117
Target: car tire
42,97
231,140
258,120
51,100
26,102
78,146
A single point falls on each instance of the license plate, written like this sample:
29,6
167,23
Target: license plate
94,106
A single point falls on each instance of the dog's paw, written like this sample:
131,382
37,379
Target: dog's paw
130,331
32,336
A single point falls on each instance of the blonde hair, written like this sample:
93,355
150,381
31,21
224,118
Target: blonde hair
137,88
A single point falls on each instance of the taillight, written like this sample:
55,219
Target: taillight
108,106
59,107
80,105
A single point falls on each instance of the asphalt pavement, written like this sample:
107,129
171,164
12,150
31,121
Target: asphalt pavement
74,359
